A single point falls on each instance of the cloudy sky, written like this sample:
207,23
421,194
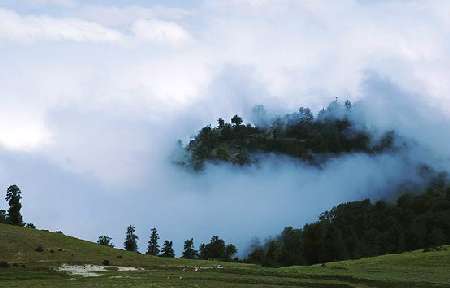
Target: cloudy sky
94,94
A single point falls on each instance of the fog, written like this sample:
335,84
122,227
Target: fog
92,104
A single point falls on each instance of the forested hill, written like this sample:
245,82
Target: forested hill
300,135
418,219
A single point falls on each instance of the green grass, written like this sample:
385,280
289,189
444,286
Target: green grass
29,268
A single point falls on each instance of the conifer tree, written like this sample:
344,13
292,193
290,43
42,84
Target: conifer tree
153,247
131,238
13,196
189,252
167,250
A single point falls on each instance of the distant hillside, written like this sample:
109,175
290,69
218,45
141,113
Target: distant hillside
299,135
418,219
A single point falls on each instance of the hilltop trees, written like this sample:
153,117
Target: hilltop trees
131,238
105,241
13,196
236,120
299,135
14,216
361,229
153,246
189,251
167,250
217,249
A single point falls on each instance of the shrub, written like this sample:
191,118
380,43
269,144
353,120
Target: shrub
4,264
105,262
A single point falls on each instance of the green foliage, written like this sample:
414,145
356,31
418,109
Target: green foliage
236,120
153,246
167,250
298,135
30,225
217,249
13,196
362,229
131,238
189,251
230,251
105,241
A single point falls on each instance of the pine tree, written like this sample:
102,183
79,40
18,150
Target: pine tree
130,243
189,252
105,241
153,247
13,197
167,249
230,251
236,120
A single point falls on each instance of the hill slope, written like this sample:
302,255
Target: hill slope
29,268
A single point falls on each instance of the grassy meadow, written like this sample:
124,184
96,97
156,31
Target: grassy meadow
23,266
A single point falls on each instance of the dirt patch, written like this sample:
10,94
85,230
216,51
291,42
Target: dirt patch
89,270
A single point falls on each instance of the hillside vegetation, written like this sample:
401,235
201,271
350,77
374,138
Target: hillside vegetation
27,267
420,218
299,135
417,214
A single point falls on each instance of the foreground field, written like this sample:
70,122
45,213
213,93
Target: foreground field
69,262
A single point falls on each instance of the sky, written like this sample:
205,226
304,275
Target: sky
95,94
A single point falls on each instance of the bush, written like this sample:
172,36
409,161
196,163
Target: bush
30,225
105,262
39,249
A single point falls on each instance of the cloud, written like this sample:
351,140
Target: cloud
160,32
64,3
21,28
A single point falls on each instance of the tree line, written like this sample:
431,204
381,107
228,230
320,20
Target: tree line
215,249
419,218
299,134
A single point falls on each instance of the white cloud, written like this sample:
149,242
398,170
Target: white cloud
31,28
20,131
64,3
160,32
